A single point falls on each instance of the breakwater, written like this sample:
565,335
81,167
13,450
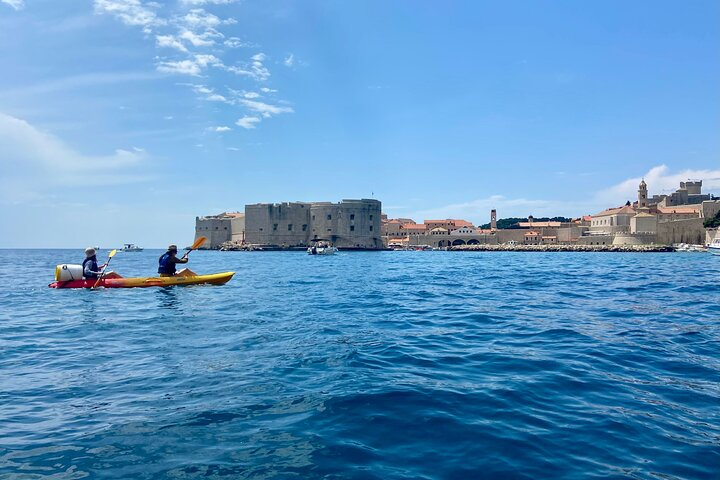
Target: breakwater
563,248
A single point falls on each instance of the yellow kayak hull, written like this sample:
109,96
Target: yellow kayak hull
139,282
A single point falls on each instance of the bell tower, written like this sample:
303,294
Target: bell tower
493,219
642,195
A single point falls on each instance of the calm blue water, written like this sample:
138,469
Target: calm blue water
433,365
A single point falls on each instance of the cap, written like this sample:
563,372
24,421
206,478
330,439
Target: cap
172,247
89,251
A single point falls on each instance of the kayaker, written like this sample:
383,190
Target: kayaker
90,265
168,260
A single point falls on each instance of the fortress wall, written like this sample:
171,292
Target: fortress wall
689,230
277,224
217,230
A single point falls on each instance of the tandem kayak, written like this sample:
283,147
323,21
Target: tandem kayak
212,279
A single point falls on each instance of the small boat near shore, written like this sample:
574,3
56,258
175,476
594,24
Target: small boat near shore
131,247
714,247
321,247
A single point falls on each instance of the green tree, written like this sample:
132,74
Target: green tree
712,222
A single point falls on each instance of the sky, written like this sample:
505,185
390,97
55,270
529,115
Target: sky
123,120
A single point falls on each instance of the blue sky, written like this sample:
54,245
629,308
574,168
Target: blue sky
121,120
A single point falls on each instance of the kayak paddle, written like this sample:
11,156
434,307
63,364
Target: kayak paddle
112,254
198,243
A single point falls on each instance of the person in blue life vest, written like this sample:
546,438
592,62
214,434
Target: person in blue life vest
91,270
167,262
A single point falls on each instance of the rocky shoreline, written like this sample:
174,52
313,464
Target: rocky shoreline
563,248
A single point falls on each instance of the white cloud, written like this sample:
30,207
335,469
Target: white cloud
130,12
198,18
267,90
181,67
207,2
235,42
289,60
34,160
203,40
247,122
251,95
233,149
192,67
255,69
206,93
16,4
265,109
222,129
170,41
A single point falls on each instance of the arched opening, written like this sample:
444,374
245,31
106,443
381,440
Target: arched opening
458,242
473,241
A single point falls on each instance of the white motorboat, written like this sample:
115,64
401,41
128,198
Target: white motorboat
714,247
322,248
131,247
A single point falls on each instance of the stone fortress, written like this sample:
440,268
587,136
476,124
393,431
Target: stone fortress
349,225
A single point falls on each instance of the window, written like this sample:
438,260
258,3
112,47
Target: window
329,229
371,228
304,227
261,230
370,217
352,228
289,227
352,216
313,217
275,226
329,217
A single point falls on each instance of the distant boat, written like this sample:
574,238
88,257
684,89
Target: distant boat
131,247
714,247
322,247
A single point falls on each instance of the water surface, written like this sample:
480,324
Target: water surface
386,365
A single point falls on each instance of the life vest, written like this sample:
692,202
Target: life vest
93,266
165,265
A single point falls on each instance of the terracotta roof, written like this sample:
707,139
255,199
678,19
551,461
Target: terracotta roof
439,229
627,210
682,209
462,223
413,226
393,222
539,224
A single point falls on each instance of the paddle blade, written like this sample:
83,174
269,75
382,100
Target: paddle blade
112,253
198,242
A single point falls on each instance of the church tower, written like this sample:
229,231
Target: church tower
493,219
642,195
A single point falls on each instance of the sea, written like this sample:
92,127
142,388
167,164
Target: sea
365,365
